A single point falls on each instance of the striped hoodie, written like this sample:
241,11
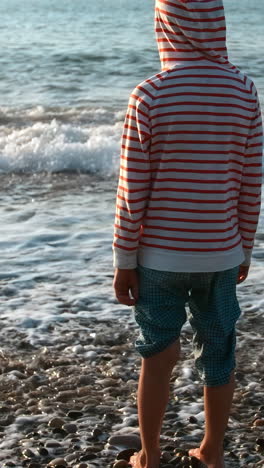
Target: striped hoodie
188,197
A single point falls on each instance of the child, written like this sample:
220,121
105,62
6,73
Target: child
187,209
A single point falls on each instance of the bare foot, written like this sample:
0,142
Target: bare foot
138,460
218,463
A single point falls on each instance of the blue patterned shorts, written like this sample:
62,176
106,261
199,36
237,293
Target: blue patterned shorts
214,310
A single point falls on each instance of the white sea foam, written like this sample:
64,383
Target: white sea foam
87,143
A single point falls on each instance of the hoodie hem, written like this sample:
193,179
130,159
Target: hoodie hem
185,263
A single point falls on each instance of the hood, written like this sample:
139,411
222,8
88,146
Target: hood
189,31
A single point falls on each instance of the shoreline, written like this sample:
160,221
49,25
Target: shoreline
66,400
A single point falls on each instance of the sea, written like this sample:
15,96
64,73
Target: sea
66,70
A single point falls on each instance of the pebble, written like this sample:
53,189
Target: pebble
52,444
71,457
125,440
85,379
27,453
84,391
88,456
96,432
126,454
43,451
59,430
195,463
58,463
180,453
175,460
166,456
70,428
121,464
56,422
66,395
192,420
7,421
186,460
74,414
258,423
260,442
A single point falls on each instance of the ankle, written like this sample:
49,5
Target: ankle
211,452
150,458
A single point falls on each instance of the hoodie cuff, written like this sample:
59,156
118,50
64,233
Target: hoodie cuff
124,261
248,254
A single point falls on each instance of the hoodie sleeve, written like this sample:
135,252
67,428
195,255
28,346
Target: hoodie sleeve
250,190
134,182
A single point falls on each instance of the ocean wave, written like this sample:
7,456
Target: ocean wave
18,116
78,140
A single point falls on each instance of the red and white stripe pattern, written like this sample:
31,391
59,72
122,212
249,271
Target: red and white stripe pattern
189,189
187,31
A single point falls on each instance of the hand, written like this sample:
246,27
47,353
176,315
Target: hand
126,281
242,274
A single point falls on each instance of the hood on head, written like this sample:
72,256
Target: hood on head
189,31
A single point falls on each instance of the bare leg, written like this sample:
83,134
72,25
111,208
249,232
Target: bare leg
153,397
217,405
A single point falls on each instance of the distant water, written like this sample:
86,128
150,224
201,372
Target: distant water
66,70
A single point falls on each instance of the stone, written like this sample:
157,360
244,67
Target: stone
56,423
258,423
76,447
260,442
166,457
121,464
192,420
31,402
66,395
175,461
180,453
27,453
43,451
71,457
169,448
96,432
84,391
195,463
259,448
180,433
125,440
52,444
186,460
74,414
70,428
8,420
93,449
85,379
59,430
126,454
58,463
88,456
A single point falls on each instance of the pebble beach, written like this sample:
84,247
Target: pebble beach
73,403
68,368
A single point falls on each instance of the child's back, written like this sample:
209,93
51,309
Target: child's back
190,176
188,203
